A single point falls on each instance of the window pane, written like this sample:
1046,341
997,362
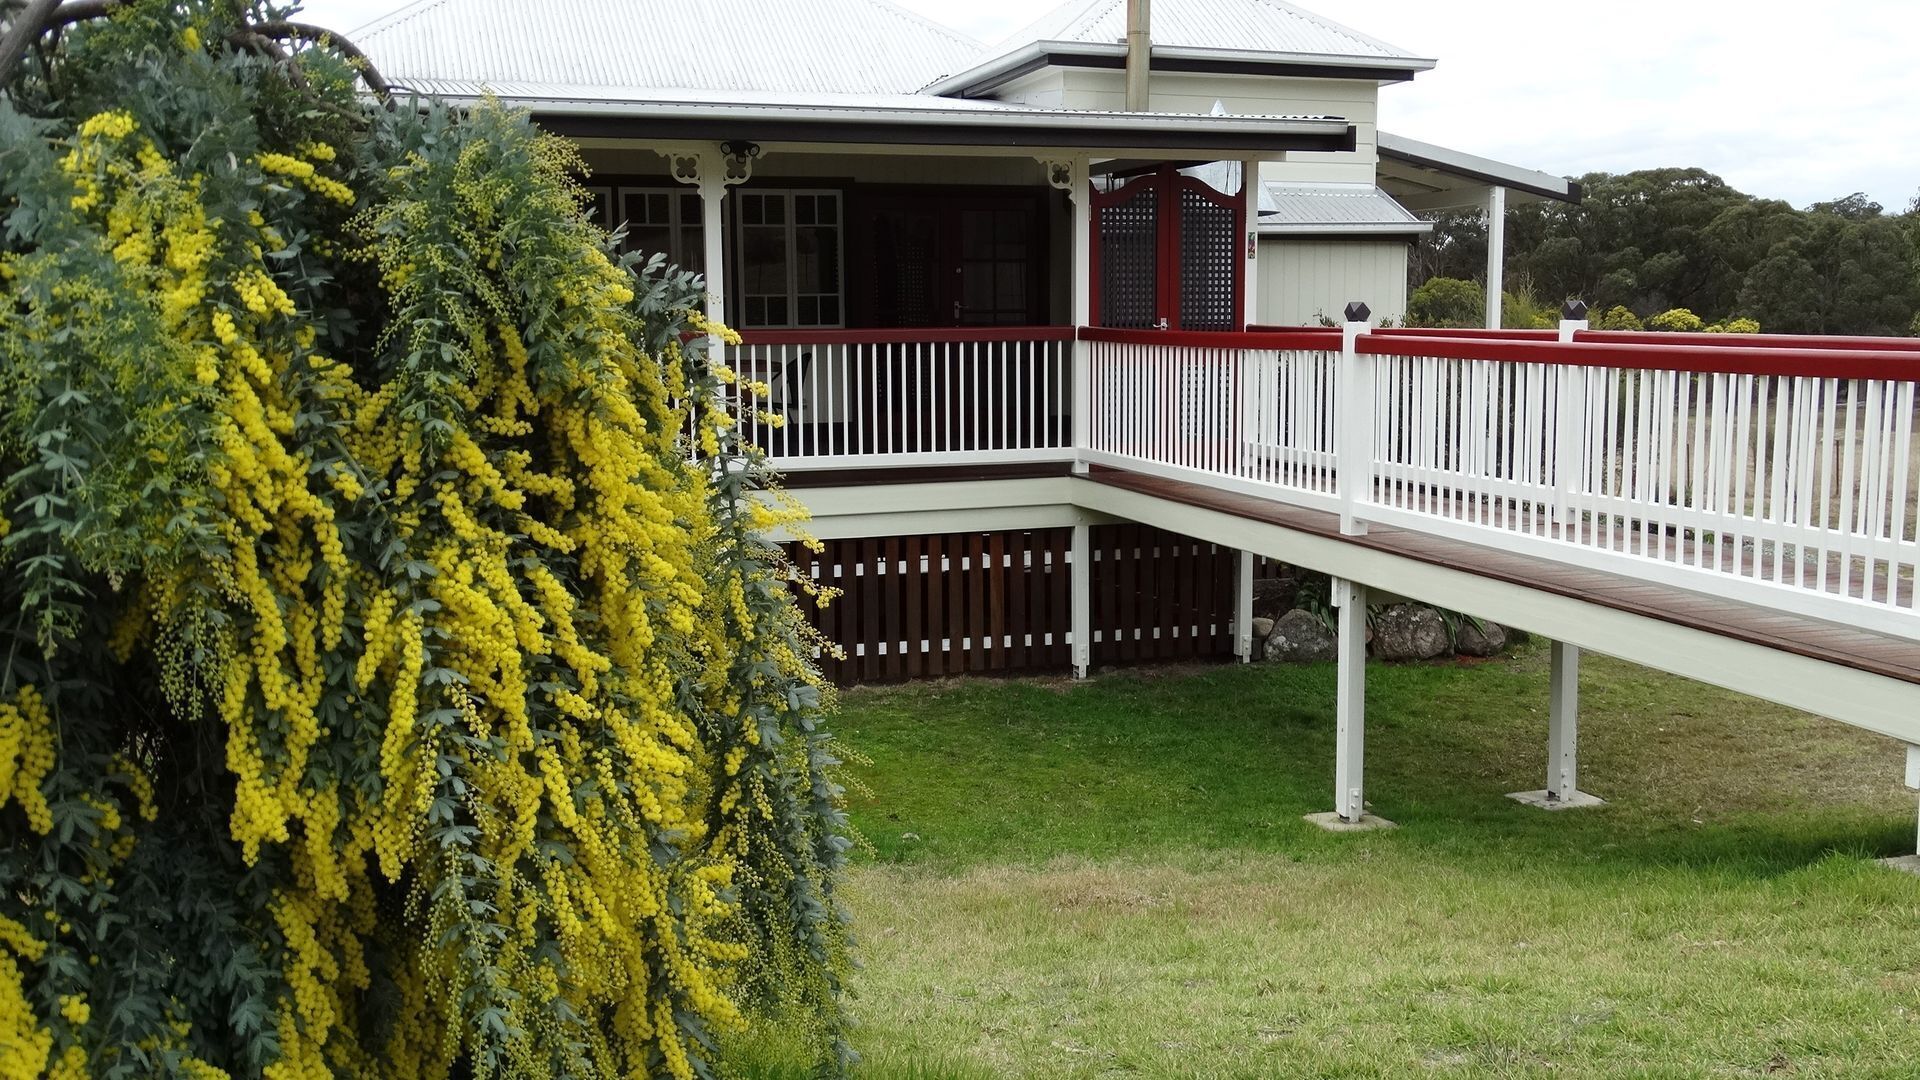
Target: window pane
1010,233
829,311
776,311
816,259
809,311
752,209
1010,284
977,286
776,209
829,209
650,240
690,209
692,254
803,209
763,260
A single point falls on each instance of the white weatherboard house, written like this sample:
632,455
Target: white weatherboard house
875,169
1056,390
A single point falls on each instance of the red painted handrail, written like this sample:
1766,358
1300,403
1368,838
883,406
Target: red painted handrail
1753,341
907,335
1271,328
1468,332
1210,339
1813,363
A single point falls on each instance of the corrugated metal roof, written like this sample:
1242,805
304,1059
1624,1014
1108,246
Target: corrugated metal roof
1238,25
820,46
1292,207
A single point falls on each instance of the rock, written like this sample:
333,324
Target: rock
1274,597
1409,632
1300,637
1478,637
1262,628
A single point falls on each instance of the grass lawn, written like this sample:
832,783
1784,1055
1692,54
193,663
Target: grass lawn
1112,878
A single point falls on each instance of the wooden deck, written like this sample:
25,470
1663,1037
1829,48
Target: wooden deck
1812,638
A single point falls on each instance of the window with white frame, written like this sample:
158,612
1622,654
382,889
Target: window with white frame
659,220
789,245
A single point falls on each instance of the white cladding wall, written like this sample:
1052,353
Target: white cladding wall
1303,279
1357,100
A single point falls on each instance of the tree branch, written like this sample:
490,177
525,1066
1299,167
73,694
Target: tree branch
42,17
320,35
26,28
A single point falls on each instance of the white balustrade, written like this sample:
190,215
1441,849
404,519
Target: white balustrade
1744,468
1781,476
910,398
1257,415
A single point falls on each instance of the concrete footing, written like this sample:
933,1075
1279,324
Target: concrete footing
1542,801
1333,822
1909,864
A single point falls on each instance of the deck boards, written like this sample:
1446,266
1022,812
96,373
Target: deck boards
1845,646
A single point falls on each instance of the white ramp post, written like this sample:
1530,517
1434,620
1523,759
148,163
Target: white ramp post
1243,644
1563,738
1909,863
1350,709
1082,566
1569,426
1353,432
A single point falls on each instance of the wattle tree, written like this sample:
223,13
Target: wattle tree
395,678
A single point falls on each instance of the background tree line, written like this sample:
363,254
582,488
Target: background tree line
1653,241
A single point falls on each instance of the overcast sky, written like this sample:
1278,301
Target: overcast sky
1794,101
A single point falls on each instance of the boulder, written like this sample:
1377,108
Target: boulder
1409,632
1300,637
1262,628
1478,637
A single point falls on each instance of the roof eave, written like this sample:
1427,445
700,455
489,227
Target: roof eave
1473,167
1035,55
1106,132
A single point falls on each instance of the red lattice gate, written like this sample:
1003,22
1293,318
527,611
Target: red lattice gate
1167,254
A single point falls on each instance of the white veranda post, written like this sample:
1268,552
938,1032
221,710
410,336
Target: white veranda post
1082,600
1243,643
711,171
1073,176
1496,252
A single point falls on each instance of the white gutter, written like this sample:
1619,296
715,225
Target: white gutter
1036,51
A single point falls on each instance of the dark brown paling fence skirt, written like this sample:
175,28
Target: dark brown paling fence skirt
1000,603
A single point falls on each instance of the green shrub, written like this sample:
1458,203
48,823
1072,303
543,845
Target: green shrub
1676,321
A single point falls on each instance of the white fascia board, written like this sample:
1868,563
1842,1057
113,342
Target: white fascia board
1035,52
1038,119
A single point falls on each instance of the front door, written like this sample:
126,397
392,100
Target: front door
954,260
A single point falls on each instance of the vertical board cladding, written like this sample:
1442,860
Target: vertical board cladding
1000,603
1303,279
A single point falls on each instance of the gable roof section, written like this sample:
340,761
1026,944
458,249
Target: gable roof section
1249,25
774,46
1224,36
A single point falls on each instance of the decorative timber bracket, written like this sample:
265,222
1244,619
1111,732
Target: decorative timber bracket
1066,174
